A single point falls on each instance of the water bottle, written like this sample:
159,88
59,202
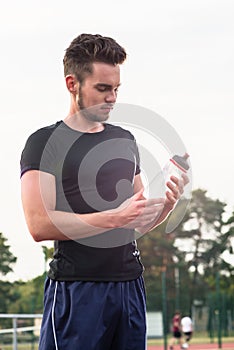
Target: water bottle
176,166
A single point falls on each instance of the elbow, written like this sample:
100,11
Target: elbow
37,234
37,237
38,229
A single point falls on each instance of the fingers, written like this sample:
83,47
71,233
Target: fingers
174,189
137,210
155,201
142,202
185,179
148,216
148,210
171,200
178,184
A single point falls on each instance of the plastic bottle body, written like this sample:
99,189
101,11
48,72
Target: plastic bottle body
171,169
176,166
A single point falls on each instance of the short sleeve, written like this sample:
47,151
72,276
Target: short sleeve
138,168
37,153
136,153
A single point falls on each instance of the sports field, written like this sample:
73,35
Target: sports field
197,345
229,346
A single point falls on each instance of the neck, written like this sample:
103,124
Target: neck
77,122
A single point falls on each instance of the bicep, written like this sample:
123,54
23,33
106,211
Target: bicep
138,184
37,193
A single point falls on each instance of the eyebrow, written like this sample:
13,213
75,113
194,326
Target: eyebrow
106,85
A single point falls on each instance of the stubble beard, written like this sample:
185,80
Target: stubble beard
89,113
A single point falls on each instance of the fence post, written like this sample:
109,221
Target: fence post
164,307
218,295
14,333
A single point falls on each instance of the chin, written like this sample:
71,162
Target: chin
104,117
98,117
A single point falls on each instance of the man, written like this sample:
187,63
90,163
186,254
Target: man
187,329
82,188
176,330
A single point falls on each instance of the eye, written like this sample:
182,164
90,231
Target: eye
101,88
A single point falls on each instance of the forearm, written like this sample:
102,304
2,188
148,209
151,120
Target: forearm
58,225
47,223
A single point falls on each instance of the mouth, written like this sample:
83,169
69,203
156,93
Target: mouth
107,108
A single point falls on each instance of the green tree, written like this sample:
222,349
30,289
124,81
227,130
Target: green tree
202,238
192,254
159,252
48,254
28,296
156,252
7,259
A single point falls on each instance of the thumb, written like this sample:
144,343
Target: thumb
139,195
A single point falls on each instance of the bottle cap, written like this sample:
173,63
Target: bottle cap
181,161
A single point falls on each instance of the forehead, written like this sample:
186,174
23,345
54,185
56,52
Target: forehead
104,73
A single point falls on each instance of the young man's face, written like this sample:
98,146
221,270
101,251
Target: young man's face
97,94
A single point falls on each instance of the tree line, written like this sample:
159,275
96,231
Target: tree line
192,259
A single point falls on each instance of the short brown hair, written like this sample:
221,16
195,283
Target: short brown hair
87,49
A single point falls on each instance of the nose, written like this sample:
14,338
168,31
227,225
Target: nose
111,96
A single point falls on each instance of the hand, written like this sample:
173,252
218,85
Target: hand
138,211
176,189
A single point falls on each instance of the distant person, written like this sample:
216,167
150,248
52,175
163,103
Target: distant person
176,331
187,329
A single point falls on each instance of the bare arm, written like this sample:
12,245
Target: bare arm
45,223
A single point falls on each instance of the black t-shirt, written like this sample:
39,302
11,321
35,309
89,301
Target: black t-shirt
93,172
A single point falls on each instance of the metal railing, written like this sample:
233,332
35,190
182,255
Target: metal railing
14,330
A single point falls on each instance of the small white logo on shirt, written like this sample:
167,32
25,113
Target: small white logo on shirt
136,253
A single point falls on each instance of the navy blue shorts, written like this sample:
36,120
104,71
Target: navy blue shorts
94,316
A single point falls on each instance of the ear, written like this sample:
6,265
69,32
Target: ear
72,84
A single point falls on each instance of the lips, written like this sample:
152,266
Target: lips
107,108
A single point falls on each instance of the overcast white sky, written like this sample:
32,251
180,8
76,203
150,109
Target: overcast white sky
180,65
